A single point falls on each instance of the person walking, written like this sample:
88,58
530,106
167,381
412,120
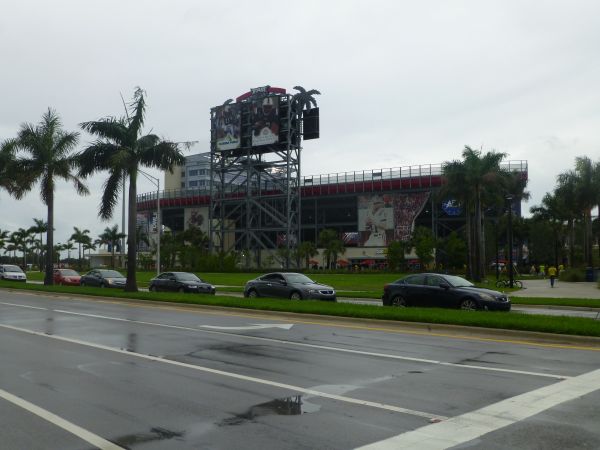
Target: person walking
552,274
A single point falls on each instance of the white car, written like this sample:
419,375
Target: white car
12,273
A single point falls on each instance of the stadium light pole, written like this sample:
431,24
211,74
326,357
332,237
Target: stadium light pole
156,183
509,199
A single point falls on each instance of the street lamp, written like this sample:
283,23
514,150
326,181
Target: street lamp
156,183
509,199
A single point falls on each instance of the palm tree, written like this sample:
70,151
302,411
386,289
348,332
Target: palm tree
111,236
582,183
14,182
3,239
553,211
47,148
468,181
307,250
80,237
40,228
332,246
121,149
68,247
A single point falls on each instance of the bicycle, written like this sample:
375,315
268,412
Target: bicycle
506,284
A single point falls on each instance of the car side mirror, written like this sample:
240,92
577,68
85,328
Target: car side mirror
445,285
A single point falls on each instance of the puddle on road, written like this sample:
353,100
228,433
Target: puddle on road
288,406
155,434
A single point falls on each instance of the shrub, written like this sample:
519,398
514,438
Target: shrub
572,275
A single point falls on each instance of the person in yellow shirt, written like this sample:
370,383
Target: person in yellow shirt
552,274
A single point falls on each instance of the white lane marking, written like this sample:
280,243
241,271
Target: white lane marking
237,376
81,433
256,326
320,347
464,428
23,306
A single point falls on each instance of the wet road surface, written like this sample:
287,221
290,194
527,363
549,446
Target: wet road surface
94,374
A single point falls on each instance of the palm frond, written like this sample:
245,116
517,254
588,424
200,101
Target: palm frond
95,158
138,108
163,155
109,128
110,196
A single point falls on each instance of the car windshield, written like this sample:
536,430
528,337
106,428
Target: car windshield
69,273
297,278
458,281
12,269
111,274
187,277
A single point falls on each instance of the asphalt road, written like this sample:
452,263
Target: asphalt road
80,373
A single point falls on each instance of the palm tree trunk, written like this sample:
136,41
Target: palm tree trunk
48,277
131,284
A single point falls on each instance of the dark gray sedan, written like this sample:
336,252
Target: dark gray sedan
180,282
288,285
103,278
442,291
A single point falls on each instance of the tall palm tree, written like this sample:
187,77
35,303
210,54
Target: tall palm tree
112,237
468,181
80,237
47,149
121,149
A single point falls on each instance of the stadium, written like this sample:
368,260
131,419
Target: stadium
248,195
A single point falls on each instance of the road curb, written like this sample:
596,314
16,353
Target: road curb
432,329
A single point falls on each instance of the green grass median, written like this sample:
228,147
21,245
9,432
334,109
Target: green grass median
523,322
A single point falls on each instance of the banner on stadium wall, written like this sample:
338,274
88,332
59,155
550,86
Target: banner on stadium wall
196,217
388,217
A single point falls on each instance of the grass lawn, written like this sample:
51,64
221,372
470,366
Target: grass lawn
547,324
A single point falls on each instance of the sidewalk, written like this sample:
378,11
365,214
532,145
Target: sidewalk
562,289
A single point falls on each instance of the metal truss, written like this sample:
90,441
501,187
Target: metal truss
255,192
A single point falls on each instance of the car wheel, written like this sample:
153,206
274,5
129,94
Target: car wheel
399,301
252,293
296,295
181,290
468,304
153,288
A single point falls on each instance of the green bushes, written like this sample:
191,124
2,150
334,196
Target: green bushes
572,275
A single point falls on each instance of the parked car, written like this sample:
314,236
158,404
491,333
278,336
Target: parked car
12,273
288,285
181,282
103,278
442,291
67,277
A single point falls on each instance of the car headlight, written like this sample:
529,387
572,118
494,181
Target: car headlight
485,296
110,281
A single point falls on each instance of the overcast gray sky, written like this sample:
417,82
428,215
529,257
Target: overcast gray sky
402,82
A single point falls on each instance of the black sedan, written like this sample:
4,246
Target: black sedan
288,285
442,291
180,282
103,278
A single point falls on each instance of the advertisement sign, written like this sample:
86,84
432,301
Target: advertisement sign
227,126
375,220
388,217
265,121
